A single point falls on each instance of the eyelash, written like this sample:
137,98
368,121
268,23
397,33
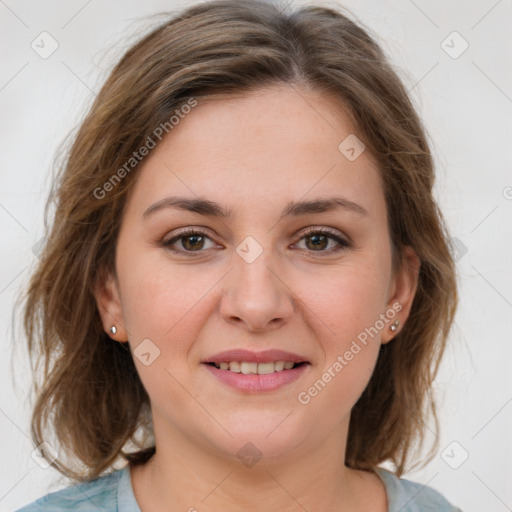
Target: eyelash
343,244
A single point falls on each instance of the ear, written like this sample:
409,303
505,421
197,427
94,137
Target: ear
106,293
402,291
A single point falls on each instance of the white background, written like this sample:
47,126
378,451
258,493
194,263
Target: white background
466,104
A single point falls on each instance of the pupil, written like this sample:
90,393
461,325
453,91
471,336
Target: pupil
195,238
316,237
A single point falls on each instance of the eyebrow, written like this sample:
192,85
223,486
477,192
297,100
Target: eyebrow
292,209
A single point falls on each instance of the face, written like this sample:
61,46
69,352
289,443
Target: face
298,272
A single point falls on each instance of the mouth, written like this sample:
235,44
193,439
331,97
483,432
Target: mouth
255,372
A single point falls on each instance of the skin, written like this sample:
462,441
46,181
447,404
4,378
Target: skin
254,153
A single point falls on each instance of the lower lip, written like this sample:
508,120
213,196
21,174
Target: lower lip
254,383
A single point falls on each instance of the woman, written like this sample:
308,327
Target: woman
247,287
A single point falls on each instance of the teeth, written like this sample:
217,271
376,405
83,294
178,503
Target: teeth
252,368
234,366
265,368
249,368
279,366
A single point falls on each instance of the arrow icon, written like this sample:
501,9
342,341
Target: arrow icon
249,454
454,455
44,45
146,352
351,147
249,249
454,45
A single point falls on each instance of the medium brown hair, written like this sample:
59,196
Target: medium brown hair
89,396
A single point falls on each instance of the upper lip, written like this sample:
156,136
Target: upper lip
266,356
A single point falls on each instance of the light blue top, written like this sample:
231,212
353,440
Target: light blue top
114,493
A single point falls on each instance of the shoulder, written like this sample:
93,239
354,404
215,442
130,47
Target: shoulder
408,496
95,495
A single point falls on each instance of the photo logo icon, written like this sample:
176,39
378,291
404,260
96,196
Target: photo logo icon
44,45
454,45
458,248
44,455
351,147
249,249
146,352
454,455
249,454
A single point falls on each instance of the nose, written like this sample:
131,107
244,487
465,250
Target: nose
255,295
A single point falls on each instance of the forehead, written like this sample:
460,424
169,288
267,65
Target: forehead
279,143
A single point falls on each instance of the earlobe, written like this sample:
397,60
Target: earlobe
106,293
403,291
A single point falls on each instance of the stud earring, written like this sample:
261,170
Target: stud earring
394,327
113,329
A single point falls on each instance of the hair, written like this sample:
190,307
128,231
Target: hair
88,394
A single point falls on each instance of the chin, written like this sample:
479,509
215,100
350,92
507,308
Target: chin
265,441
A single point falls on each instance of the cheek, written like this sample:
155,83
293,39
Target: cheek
164,303
350,305
159,297
349,299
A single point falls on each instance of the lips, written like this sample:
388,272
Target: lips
256,371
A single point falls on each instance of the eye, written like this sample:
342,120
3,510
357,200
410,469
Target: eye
317,240
192,240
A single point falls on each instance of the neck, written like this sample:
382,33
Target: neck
184,476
